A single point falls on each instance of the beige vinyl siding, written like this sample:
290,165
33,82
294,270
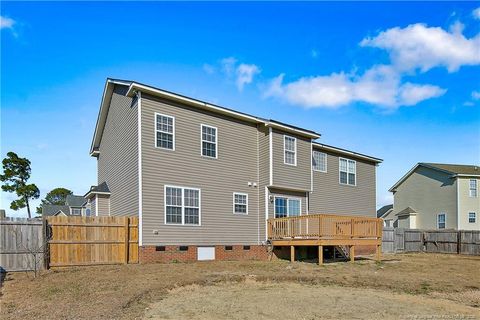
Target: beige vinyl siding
103,203
217,179
329,196
468,204
428,192
118,160
284,175
288,194
264,174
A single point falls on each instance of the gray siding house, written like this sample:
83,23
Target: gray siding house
202,176
74,206
438,196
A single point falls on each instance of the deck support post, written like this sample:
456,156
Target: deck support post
378,253
292,253
352,253
320,255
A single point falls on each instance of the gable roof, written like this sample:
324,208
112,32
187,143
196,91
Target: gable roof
53,209
346,152
405,212
383,210
454,170
75,201
134,87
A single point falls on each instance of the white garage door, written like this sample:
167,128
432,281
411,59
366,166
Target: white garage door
206,253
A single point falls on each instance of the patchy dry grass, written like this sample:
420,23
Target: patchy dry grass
125,292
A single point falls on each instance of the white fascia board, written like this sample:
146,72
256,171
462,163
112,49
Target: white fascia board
346,152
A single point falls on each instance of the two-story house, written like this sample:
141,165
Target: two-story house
74,206
438,196
204,179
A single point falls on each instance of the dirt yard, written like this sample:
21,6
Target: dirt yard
412,286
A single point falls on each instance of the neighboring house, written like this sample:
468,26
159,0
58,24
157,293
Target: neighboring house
386,213
200,175
74,206
438,196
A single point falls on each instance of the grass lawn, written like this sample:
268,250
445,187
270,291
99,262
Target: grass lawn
404,285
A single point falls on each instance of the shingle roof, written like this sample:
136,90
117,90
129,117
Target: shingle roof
75,201
455,168
102,187
52,209
383,210
406,211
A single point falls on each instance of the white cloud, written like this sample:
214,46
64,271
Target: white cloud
381,85
209,69
476,95
6,23
245,74
314,53
421,47
476,13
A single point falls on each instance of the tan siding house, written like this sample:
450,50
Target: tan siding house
201,176
438,196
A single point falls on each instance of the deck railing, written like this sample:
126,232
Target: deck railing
324,226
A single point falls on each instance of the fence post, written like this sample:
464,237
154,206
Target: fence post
127,236
46,245
459,242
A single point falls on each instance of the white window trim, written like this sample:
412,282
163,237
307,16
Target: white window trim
76,208
438,223
285,150
326,162
339,170
201,141
475,216
288,199
470,188
155,131
183,207
233,200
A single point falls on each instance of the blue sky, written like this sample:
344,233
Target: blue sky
398,81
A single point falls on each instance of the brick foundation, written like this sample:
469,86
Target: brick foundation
150,254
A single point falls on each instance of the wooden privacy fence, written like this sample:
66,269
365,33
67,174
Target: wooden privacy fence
324,226
78,241
440,241
22,244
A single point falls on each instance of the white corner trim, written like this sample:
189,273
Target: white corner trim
266,213
96,205
311,166
140,198
270,152
457,181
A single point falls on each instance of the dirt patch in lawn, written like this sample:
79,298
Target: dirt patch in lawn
299,301
126,291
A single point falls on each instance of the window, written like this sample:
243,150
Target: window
441,221
182,206
240,203
87,212
287,207
473,187
76,212
348,172
164,131
290,150
209,141
472,217
319,161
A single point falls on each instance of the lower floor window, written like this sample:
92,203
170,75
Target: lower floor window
441,221
472,217
182,206
287,207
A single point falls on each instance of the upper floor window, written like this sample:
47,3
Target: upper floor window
441,220
348,172
164,131
473,187
240,203
87,212
472,217
209,141
290,150
76,212
319,161
182,206
287,207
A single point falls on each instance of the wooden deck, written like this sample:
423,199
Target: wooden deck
326,230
